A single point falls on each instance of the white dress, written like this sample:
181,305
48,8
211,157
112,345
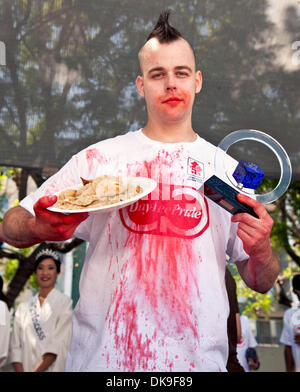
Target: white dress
42,329
152,290
4,332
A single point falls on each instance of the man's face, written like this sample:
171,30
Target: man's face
169,81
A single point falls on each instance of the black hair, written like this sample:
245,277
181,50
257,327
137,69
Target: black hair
296,282
163,31
45,256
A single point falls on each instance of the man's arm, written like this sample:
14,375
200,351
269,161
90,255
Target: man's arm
21,229
14,228
262,268
289,360
238,327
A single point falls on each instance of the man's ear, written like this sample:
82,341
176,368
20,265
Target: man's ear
140,85
198,81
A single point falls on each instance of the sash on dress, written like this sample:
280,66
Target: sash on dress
35,321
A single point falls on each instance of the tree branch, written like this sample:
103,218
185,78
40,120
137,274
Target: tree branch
26,16
66,247
9,254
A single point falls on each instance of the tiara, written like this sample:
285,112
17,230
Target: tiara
48,252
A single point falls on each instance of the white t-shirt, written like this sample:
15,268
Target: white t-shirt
152,290
247,340
291,325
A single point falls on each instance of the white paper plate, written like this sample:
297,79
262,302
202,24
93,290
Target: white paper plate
148,185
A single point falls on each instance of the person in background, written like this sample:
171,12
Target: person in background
290,335
233,324
43,325
4,326
246,352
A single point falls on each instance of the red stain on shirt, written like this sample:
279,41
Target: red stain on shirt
159,282
93,154
155,298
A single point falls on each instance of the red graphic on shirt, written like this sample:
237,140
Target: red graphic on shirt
195,168
175,211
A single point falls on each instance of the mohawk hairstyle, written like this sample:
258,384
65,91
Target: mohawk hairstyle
163,31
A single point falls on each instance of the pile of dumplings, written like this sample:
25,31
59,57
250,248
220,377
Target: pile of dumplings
101,191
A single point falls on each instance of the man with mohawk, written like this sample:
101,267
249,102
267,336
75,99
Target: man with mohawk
152,290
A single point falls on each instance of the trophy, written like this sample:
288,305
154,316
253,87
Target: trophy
227,180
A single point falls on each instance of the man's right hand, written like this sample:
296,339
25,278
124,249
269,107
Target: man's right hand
22,229
53,226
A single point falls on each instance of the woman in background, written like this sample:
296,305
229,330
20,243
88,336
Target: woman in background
43,325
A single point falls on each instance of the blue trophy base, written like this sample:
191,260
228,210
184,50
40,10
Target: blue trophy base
225,196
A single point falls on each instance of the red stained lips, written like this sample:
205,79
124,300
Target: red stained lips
172,100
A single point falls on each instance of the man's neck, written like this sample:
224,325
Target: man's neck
175,133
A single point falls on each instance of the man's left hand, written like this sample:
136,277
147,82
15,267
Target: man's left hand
254,232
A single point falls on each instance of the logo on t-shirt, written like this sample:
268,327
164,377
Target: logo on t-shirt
195,170
170,210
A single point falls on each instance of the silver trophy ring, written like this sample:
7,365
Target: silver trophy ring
278,150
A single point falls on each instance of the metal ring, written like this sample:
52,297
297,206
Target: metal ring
269,141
